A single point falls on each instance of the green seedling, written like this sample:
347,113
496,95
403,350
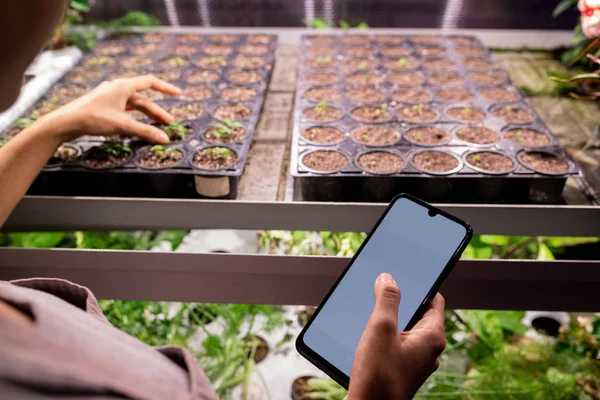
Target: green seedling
2,143
321,107
406,112
477,159
158,149
216,60
416,136
519,137
508,108
418,108
176,62
175,130
98,61
23,123
467,111
363,64
221,152
226,127
403,62
323,60
117,149
365,138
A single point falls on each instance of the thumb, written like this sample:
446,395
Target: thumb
387,299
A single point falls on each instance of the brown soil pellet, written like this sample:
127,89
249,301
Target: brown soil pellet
239,93
431,51
499,95
417,113
323,77
469,50
236,112
323,114
82,75
182,50
375,135
152,94
389,39
63,154
401,64
146,48
160,159
454,95
361,63
358,51
170,75
254,49
489,161
263,39
244,77
412,95
203,77
487,78
218,49
527,137
427,136
478,63
215,158
249,62
513,114
323,135
156,37
435,161
236,135
446,78
174,136
211,62
465,114
380,162
366,95
189,38
196,93
321,50
425,39
406,78
477,135
364,78
544,162
325,161
224,38
110,49
355,39
322,62
69,92
136,62
323,93
100,61
12,132
321,40
396,51
371,114
124,74
174,62
438,64
98,158
187,111
464,40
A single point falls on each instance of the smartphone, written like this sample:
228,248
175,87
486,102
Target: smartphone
418,245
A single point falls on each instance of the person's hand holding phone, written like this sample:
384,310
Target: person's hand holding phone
393,365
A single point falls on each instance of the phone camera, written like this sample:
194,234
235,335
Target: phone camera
432,213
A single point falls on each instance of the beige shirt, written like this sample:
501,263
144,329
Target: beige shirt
70,351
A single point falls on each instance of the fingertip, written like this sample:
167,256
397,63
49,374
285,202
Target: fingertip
385,279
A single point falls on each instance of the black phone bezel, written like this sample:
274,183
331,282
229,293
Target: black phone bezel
329,368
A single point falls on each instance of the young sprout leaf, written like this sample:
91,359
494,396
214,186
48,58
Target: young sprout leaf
321,107
403,62
23,123
363,64
175,129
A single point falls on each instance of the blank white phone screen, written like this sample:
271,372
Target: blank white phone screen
409,244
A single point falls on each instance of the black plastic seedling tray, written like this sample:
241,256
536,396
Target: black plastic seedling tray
182,179
424,57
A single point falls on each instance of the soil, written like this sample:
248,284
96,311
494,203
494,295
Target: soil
249,62
325,161
438,64
358,51
527,137
211,62
44,109
160,159
325,114
244,77
137,115
355,64
305,315
431,51
174,62
425,39
124,74
499,95
100,61
371,114
396,51
412,95
406,78
477,135
224,38
173,136
62,155
478,63
197,93
464,40
487,78
189,38
465,114
454,95
322,62
380,162
355,39
146,48
323,77
99,158
321,50
203,77
435,161
323,135
254,49
182,50
321,40
417,113
489,161
156,37
210,159
322,93
152,94
262,349
239,93
544,162
400,64
375,135
83,75
68,92
446,79
469,51
186,111
513,114
389,39
264,39
427,136
110,49
366,95
235,112
364,78
236,135
218,49
170,75
134,62
12,132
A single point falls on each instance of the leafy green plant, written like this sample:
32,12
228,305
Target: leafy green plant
23,123
226,127
97,61
176,62
320,23
132,18
221,152
588,84
158,149
175,130
117,149
321,107
582,46
324,389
